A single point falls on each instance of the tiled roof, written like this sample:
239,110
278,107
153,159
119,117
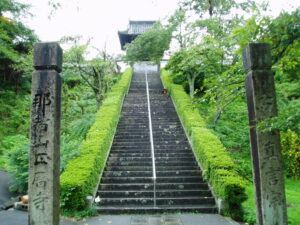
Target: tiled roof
138,27
134,29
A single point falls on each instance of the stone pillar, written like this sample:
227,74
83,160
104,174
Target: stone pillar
268,171
44,159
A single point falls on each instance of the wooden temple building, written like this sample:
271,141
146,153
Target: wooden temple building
134,29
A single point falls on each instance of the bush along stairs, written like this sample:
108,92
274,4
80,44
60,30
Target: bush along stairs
151,167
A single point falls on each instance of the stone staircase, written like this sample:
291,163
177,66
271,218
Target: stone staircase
127,184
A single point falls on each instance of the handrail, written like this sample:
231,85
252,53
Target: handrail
151,140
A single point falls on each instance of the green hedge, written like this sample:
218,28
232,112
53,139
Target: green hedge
218,167
82,173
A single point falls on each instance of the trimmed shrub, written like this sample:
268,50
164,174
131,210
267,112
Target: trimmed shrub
188,113
290,143
218,167
82,173
210,151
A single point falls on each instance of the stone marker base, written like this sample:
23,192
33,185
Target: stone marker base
21,206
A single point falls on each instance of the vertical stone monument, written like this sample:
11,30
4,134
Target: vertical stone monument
44,159
267,160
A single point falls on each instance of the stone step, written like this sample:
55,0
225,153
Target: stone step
130,151
125,131
132,130
133,126
124,194
127,183
128,168
167,173
144,139
171,142
159,194
128,180
132,119
129,163
131,147
132,158
170,147
116,150
128,173
148,154
157,145
149,168
171,159
159,201
168,136
149,163
144,154
133,113
137,209
149,186
175,162
174,154
169,168
161,161
142,124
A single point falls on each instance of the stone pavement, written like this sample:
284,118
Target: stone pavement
5,195
16,217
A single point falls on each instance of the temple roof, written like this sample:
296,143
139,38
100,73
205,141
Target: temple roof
134,29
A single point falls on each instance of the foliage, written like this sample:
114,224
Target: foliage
233,131
73,136
15,41
14,140
216,8
291,153
217,165
187,64
182,32
78,114
82,173
81,214
292,198
284,37
223,36
17,157
14,114
149,46
94,72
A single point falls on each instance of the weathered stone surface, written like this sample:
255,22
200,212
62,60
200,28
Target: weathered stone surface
257,57
266,151
47,56
44,159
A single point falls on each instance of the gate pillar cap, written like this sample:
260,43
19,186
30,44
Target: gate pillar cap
48,56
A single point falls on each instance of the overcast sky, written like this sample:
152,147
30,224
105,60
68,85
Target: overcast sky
101,19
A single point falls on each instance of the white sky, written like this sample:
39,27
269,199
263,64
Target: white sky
101,19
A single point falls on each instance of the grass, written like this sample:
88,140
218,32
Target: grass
293,202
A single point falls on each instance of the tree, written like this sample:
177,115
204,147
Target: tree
149,46
188,64
216,49
94,72
16,40
217,8
180,28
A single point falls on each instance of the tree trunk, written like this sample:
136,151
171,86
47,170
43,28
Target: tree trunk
191,80
158,67
98,99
